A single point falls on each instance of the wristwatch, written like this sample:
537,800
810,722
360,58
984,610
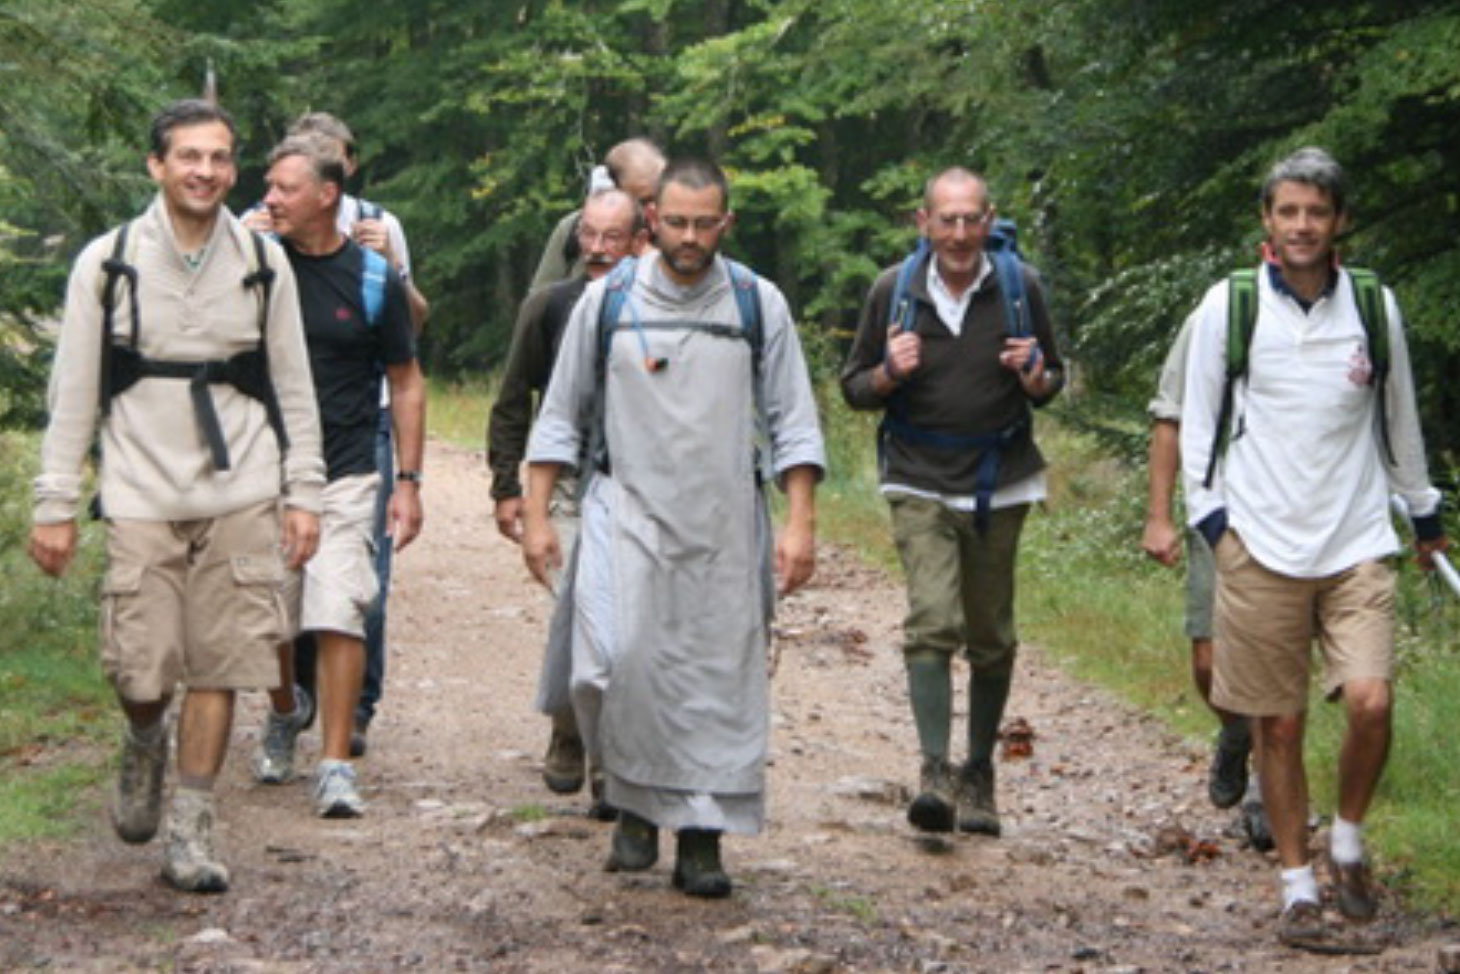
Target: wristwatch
409,476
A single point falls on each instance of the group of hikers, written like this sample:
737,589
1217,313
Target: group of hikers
654,390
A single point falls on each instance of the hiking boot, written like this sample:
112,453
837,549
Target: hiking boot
599,810
1255,824
933,809
335,795
1301,925
359,743
1353,885
977,811
562,768
273,762
189,862
697,869
137,809
1227,777
635,844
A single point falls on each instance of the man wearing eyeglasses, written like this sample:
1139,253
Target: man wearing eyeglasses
957,392
610,227
672,580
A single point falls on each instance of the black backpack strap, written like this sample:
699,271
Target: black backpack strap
115,267
1369,297
261,386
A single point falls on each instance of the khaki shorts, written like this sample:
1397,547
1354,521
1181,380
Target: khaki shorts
1266,623
338,585
194,602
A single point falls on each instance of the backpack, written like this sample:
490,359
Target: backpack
1002,249
1242,320
616,297
122,366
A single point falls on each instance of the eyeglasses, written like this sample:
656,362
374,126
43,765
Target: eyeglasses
613,238
702,224
950,221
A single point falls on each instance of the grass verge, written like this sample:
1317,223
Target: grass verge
52,693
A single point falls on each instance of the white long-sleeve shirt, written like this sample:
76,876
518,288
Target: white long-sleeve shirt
1304,479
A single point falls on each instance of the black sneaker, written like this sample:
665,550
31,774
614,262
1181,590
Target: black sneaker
1255,824
1227,777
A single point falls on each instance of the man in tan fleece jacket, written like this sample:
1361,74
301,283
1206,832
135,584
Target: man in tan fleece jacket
205,407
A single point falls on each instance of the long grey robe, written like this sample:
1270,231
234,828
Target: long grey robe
672,595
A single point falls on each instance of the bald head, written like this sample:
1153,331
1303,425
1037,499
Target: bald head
635,165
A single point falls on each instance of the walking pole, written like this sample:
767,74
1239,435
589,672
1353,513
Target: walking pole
1443,567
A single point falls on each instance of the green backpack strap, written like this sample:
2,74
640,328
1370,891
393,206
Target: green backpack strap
1241,320
1369,296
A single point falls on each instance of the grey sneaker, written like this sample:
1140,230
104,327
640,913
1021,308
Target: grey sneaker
189,862
273,762
137,809
933,809
977,810
335,794
1227,777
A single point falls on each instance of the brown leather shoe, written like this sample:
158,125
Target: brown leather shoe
1354,886
1301,926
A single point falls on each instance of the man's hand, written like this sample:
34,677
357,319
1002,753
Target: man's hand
904,353
508,513
404,517
52,546
372,234
540,549
299,537
1162,541
795,557
1428,549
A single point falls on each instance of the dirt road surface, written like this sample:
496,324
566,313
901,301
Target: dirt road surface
1111,858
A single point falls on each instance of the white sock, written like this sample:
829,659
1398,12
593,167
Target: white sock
1347,841
1299,884
1254,789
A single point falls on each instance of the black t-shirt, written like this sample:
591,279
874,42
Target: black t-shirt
347,354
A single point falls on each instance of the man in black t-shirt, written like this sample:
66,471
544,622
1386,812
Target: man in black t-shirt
357,326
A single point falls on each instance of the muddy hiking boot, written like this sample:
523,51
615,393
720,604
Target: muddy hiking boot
1301,926
635,844
1227,777
562,767
137,808
1353,887
273,762
697,868
189,862
977,811
335,793
933,809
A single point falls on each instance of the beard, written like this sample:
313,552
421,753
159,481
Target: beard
688,261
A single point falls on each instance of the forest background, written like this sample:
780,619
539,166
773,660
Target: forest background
1126,137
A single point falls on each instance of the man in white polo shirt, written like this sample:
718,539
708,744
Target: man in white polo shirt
1296,509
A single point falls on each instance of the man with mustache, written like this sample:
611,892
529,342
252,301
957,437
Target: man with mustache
1296,511
956,390
610,227
662,378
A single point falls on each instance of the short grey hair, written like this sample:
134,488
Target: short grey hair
636,210
319,151
1311,166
